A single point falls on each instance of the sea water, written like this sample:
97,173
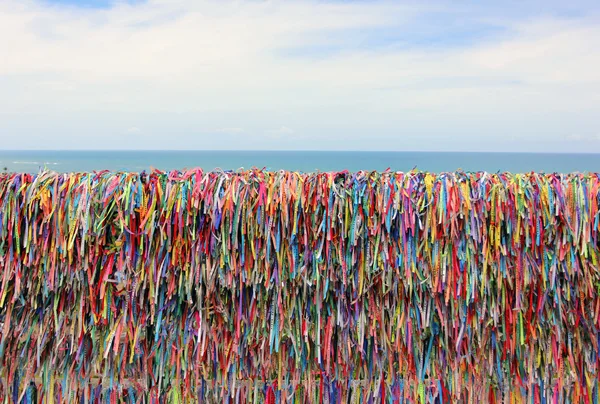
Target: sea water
304,161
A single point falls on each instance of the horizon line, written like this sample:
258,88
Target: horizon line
305,151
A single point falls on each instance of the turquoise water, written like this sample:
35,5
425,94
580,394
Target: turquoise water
307,161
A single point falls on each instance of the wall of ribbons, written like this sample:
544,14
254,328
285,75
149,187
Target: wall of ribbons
283,287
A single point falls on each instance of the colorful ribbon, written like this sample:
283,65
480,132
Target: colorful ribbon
257,286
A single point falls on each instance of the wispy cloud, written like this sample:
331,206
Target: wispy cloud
281,132
576,137
230,130
134,130
468,76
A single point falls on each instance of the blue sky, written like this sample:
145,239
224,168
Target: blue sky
300,74
88,3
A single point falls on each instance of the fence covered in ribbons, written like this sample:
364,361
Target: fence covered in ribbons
257,286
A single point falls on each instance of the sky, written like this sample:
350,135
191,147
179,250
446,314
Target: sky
448,75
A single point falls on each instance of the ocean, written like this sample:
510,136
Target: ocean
304,161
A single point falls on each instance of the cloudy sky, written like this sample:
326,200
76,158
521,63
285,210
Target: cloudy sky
511,75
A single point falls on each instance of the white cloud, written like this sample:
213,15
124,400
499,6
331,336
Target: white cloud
134,130
230,60
282,132
230,130
576,137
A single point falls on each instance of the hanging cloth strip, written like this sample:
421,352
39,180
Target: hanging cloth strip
259,286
